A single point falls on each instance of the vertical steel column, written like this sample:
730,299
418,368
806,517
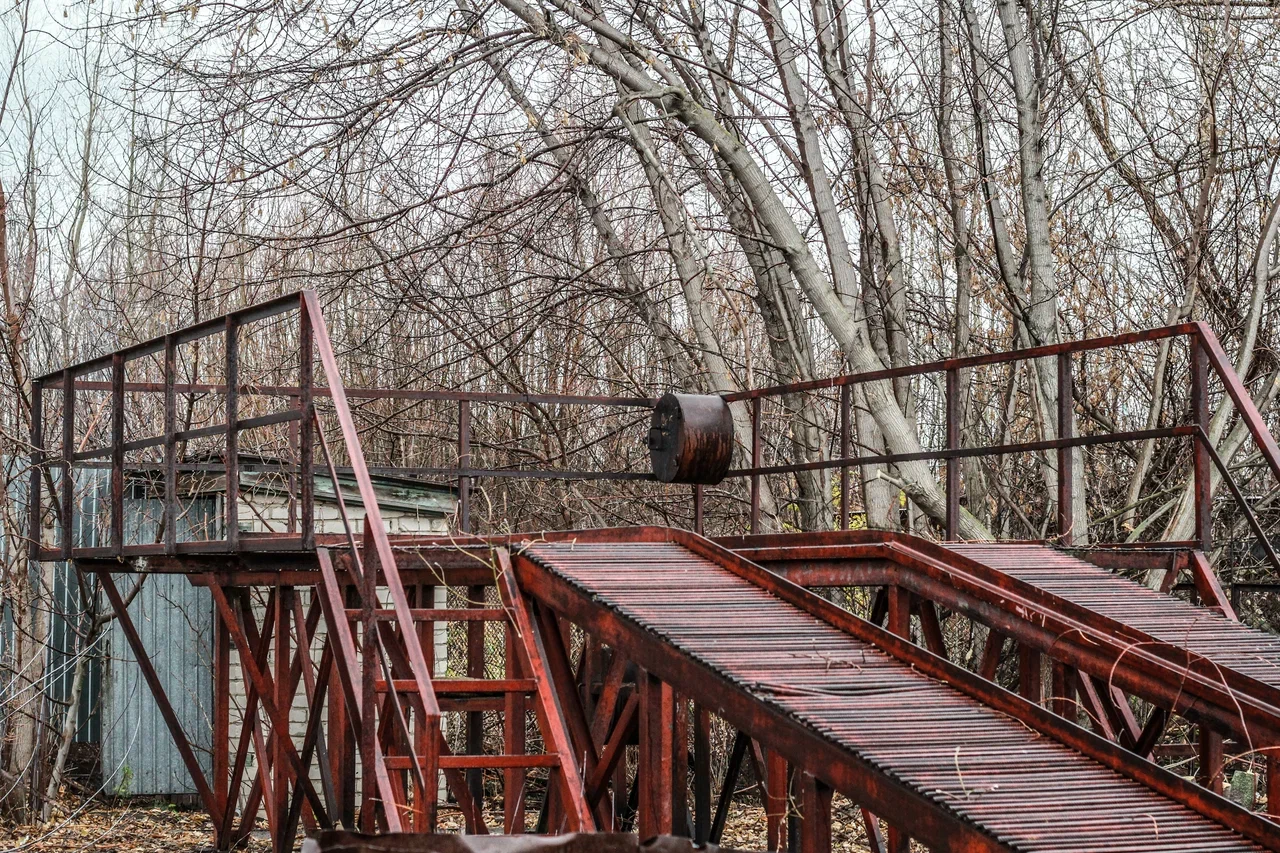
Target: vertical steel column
1064,691
1029,663
170,445
34,529
68,451
679,765
755,463
953,463
306,429
283,699
475,669
1200,414
232,461
221,782
1066,521
899,599
370,662
464,461
775,800
846,446
513,736
701,774
425,796
657,740
815,805
1209,747
117,453
697,509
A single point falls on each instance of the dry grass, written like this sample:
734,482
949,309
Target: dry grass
160,829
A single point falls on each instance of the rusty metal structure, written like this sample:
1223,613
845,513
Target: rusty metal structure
624,643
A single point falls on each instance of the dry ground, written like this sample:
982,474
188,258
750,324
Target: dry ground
159,829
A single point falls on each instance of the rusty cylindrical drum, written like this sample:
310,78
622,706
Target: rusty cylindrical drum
691,439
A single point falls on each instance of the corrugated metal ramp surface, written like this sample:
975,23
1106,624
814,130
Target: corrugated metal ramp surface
1198,629
1025,790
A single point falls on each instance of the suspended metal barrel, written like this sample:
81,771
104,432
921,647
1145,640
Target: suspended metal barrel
691,439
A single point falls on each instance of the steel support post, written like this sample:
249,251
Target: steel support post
306,429
815,805
171,508
513,738
67,529
701,774
899,599
464,462
953,464
846,446
775,799
755,463
1200,414
283,699
231,461
117,453
475,669
221,782
1064,702
1029,681
1209,747
1066,503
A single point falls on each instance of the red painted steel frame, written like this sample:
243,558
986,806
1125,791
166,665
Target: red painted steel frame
374,594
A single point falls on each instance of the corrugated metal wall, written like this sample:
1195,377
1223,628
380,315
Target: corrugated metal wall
175,621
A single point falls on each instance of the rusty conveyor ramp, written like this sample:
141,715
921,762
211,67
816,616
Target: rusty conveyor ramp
1204,632
1189,659
973,767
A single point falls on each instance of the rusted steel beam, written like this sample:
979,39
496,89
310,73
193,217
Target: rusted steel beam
741,743
306,428
369,498
977,361
249,725
967,452
266,696
204,329
534,660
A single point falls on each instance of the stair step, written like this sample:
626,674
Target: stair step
438,614
469,762
463,686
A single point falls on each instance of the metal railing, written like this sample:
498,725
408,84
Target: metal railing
1206,358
